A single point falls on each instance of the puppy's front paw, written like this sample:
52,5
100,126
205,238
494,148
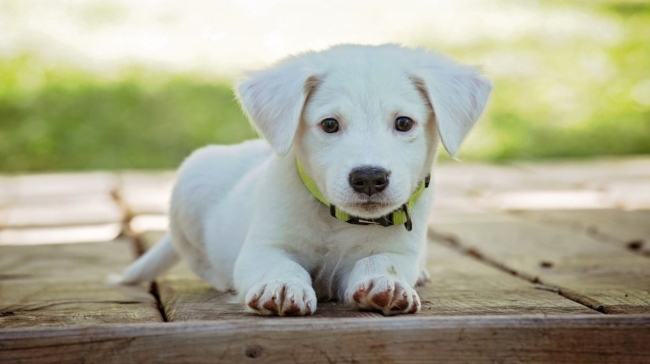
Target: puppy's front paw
385,294
282,298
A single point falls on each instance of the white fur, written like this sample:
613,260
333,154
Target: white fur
242,218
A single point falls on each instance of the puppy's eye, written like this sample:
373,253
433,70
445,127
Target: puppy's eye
403,123
329,125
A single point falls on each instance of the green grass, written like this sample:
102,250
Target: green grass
575,97
70,120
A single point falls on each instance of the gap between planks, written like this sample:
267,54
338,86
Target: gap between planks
586,269
453,242
65,284
138,246
139,249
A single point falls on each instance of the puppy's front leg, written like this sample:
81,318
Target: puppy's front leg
273,283
380,282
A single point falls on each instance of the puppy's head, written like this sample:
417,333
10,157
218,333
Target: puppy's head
364,120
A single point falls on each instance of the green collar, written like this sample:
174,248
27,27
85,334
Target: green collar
397,217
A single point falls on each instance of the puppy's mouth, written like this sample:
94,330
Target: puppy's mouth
370,205
369,208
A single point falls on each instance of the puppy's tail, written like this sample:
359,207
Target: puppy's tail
154,262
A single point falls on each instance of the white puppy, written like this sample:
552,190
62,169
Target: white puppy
353,133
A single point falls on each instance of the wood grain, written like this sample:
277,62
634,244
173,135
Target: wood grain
459,286
600,275
496,339
627,229
59,285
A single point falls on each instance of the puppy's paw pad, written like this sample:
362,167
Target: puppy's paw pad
383,294
282,298
382,299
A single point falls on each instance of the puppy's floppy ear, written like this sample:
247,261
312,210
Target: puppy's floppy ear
273,100
457,93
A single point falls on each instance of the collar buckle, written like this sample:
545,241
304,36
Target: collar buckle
408,224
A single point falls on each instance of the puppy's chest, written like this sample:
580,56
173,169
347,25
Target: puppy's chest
332,259
336,240
334,255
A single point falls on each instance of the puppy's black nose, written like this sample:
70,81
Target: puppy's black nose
369,180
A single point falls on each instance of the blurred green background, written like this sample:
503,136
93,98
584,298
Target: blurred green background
554,97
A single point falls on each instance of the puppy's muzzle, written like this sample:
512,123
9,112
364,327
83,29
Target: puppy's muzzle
369,179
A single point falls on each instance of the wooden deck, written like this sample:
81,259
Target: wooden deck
545,262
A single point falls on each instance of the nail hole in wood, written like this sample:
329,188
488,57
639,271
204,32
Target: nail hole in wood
635,245
253,351
546,264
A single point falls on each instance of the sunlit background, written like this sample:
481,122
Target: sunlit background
118,84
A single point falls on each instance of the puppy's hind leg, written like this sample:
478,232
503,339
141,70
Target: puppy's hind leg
154,262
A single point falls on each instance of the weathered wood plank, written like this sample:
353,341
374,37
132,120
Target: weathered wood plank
91,210
58,285
5,193
595,172
496,339
475,178
628,229
630,194
141,224
625,181
597,274
38,188
146,193
549,199
603,183
60,234
459,286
